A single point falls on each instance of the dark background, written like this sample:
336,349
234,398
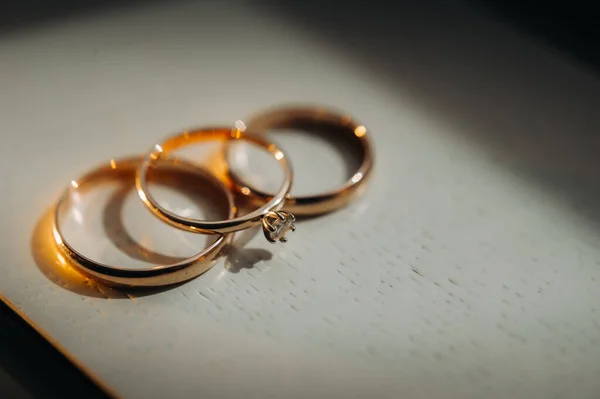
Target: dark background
31,368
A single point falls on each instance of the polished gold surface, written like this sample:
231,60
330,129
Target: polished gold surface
227,135
179,271
291,117
58,268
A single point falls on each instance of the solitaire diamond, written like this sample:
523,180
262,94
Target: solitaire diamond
276,224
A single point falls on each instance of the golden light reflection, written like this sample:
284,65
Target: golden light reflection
236,133
142,195
57,267
113,164
245,191
216,163
60,266
279,155
360,131
74,184
61,259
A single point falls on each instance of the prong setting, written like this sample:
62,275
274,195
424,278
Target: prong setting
276,225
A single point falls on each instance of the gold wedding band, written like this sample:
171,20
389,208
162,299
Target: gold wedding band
276,223
125,169
274,211
290,117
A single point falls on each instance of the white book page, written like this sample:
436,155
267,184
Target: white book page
468,269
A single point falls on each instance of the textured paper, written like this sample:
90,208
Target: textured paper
469,269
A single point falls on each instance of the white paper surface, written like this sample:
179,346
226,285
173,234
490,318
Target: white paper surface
469,269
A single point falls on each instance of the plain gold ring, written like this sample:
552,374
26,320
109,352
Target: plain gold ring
125,169
292,116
